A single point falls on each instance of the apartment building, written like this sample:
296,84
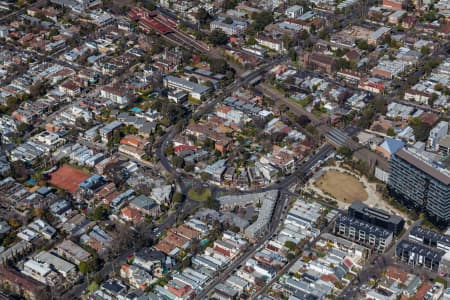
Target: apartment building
376,217
421,184
374,237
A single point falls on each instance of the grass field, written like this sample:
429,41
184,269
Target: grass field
341,186
201,194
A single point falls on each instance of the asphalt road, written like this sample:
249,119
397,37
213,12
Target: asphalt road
223,275
292,262
300,174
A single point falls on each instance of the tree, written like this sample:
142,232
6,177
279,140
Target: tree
177,162
344,151
93,286
362,45
323,34
260,21
390,132
229,4
203,16
228,20
288,42
212,203
100,213
303,35
292,54
217,37
303,120
290,245
83,267
421,130
19,170
149,4
218,65
177,197
425,50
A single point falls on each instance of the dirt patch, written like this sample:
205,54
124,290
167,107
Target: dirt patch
68,178
341,186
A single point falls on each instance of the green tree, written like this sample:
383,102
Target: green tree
203,16
100,213
390,132
83,267
218,37
228,20
218,65
290,245
260,21
177,197
425,50
345,151
93,286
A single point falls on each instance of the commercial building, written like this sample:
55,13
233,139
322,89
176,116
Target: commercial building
376,217
374,237
421,184
195,90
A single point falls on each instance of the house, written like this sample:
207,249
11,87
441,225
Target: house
137,277
131,215
133,146
162,194
72,252
107,130
389,147
145,205
150,260
378,35
394,4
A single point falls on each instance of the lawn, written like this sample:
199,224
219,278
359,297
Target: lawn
341,186
199,194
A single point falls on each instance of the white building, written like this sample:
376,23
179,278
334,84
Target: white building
233,28
195,90
269,42
118,96
294,11
436,134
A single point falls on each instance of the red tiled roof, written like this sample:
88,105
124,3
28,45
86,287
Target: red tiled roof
182,148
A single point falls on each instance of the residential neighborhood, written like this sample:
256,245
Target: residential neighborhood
224,149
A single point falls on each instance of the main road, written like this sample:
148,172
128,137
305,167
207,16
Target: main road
300,174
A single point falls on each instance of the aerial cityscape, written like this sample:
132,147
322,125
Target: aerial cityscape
224,149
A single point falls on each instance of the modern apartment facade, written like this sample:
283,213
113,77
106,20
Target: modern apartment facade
361,232
421,184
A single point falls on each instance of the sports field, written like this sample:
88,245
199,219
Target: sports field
68,178
341,186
